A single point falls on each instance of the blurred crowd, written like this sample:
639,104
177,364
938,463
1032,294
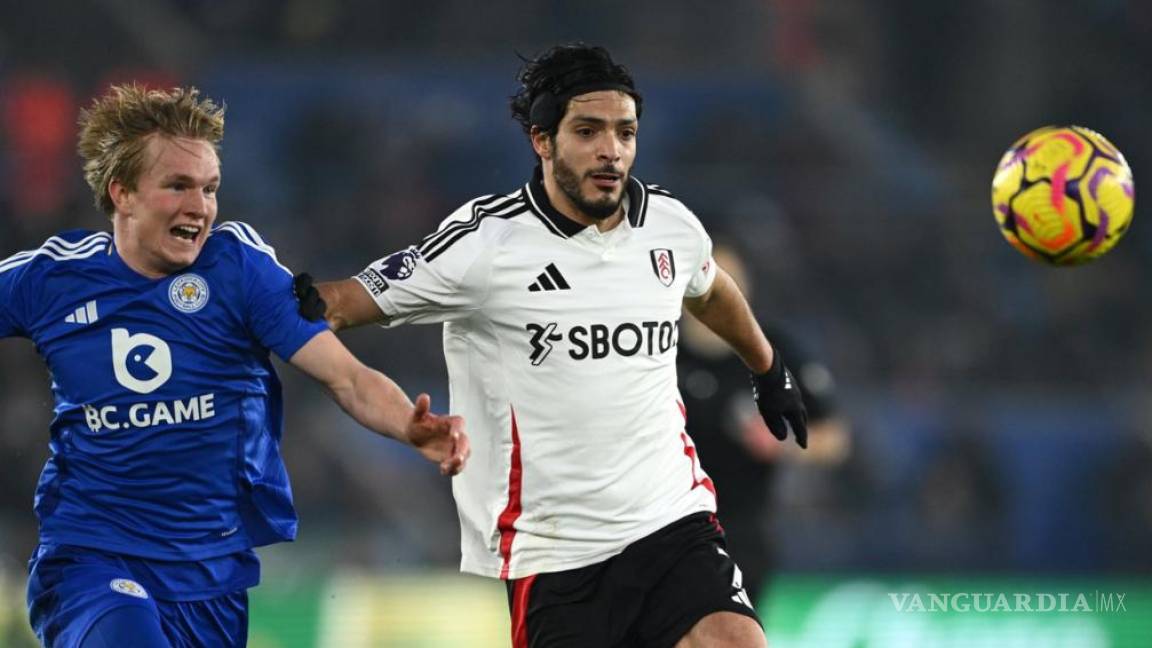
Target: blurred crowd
845,146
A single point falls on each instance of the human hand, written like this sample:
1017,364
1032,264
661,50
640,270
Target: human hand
312,306
780,403
439,438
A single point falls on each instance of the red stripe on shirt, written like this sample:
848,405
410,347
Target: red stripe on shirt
690,452
506,523
520,590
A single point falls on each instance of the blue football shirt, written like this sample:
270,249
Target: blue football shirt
168,412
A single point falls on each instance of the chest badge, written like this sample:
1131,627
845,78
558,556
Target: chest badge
188,293
663,265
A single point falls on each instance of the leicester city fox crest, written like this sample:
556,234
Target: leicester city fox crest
129,587
188,293
663,265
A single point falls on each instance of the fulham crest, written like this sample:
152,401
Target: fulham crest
663,265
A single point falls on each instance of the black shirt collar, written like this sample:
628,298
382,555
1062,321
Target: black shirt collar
560,224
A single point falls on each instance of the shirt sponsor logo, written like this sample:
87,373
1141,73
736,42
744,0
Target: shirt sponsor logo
142,415
375,282
664,265
188,293
141,362
129,587
598,341
541,341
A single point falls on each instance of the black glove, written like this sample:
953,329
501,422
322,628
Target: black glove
778,398
312,306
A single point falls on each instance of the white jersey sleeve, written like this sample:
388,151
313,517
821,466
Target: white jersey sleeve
705,271
443,279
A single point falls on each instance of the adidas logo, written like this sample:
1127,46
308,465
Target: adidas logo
86,314
550,279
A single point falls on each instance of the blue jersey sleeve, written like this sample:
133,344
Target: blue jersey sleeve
12,301
271,306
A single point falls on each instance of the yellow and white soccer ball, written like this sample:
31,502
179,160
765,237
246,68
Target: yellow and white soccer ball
1063,195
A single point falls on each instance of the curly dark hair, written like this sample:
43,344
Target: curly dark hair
553,77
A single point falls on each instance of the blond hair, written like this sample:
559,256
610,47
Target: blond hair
115,129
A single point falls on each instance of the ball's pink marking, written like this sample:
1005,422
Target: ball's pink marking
1076,142
1059,182
1060,176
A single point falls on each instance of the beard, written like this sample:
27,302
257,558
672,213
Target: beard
569,182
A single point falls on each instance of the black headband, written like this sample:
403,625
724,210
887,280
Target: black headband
548,108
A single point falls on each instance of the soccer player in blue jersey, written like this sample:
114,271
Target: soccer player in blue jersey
165,469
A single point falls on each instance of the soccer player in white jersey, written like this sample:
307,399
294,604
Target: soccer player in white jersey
560,302
165,466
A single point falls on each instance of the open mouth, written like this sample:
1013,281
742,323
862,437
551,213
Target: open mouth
186,232
606,180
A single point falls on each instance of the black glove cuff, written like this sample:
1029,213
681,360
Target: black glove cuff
775,373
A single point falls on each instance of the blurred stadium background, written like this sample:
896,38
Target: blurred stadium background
1000,409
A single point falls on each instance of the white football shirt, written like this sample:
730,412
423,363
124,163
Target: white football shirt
560,342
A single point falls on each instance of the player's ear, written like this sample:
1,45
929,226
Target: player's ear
121,196
541,142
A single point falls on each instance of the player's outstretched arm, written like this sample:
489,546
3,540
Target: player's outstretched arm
724,310
343,303
378,403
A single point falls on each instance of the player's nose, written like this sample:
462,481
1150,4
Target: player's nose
610,148
197,203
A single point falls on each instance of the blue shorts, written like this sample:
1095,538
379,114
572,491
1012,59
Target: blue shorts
71,589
